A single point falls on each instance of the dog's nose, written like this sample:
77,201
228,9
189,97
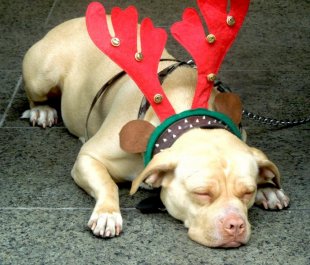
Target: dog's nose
234,225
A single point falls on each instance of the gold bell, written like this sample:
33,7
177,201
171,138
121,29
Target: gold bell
115,42
230,21
211,38
211,77
139,56
158,98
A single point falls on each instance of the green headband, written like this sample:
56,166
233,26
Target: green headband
186,114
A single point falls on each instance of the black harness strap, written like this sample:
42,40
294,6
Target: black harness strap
162,76
144,104
101,91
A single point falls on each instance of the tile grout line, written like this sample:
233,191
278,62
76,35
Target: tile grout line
55,208
50,13
20,77
43,208
33,127
17,86
91,208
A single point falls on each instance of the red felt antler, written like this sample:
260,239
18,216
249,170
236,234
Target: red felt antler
122,47
208,51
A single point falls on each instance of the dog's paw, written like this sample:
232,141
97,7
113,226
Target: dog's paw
106,224
42,116
272,198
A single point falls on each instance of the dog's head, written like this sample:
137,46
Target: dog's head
209,179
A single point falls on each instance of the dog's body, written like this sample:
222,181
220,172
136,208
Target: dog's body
209,178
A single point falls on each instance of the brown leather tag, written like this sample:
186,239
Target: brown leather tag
230,105
135,135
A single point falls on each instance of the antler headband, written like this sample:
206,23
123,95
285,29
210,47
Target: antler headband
120,42
122,46
208,51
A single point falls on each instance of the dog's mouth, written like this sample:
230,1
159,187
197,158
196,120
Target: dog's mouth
235,243
231,244
220,242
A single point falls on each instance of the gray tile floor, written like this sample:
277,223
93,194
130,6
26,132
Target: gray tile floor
43,214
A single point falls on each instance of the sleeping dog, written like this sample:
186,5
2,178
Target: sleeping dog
209,178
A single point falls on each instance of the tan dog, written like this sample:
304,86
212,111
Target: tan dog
209,178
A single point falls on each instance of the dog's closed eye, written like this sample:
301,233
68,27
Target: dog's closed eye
246,193
203,196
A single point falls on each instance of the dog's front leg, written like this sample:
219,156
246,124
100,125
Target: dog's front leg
92,175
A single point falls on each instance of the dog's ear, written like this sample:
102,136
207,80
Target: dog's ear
268,172
230,105
135,135
156,171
